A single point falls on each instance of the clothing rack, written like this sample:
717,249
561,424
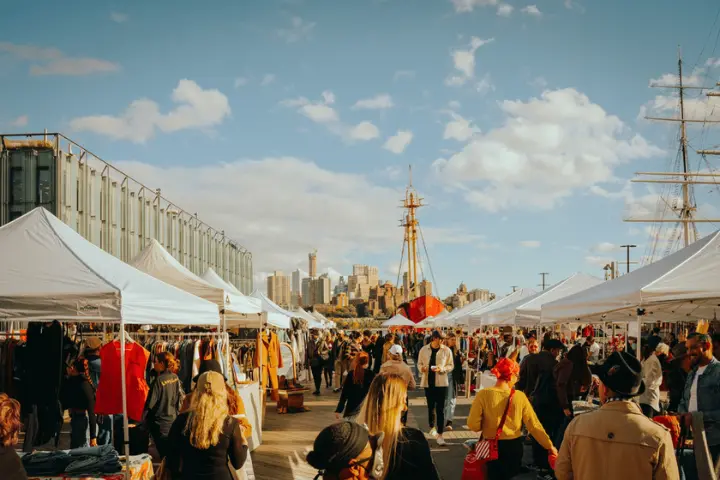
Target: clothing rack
224,335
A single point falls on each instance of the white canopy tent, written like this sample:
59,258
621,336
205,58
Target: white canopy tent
683,286
313,322
526,311
458,315
427,322
397,321
237,310
50,272
323,319
443,319
276,316
212,277
474,319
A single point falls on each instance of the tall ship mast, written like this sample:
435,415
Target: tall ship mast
677,205
413,236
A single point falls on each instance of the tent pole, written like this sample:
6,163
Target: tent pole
639,338
123,379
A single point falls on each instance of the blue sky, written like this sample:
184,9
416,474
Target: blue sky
290,124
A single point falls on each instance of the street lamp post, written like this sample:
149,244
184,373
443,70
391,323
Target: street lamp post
627,258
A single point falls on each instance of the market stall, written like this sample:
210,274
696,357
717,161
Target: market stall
50,273
683,286
474,319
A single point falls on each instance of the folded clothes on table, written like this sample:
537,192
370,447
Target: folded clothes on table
99,451
46,463
76,462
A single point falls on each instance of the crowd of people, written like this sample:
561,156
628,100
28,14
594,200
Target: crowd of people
629,422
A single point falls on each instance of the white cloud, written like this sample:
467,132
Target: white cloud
695,79
697,107
530,243
267,79
604,247
196,109
531,10
712,62
484,85
539,82
463,6
364,131
283,224
20,121
454,105
401,74
464,62
459,129
505,10
241,82
547,148
399,142
323,113
599,260
378,102
299,29
51,61
119,17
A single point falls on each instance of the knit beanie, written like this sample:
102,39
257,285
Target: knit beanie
337,445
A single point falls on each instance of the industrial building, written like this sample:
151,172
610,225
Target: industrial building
109,208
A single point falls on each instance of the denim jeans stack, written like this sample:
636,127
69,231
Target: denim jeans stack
46,463
78,462
93,460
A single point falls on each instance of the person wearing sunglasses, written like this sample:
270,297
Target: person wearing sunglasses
347,451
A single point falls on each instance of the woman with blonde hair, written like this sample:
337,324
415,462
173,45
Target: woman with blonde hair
202,440
406,452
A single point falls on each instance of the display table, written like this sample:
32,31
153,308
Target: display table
250,395
141,468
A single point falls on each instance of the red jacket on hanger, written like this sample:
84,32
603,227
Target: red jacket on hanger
109,393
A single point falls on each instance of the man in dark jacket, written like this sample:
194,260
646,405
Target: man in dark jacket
377,354
538,383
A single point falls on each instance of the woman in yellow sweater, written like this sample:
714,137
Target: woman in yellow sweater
487,411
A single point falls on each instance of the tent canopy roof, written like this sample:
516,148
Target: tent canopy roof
50,272
526,311
158,262
398,321
474,320
277,316
681,286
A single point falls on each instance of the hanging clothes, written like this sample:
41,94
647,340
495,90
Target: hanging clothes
268,349
109,393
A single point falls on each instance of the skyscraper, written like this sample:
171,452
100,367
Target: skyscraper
296,279
312,264
278,289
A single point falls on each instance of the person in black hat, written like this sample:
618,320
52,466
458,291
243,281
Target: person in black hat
537,381
617,441
346,450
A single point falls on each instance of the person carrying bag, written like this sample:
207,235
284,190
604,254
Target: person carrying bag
499,457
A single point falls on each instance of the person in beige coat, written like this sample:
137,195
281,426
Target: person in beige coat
435,361
617,441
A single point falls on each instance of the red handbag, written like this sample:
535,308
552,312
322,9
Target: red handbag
486,450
